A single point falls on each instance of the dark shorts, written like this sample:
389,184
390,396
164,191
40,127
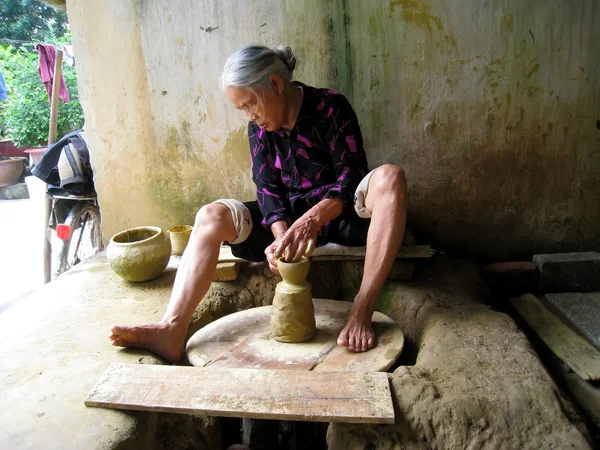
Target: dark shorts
348,229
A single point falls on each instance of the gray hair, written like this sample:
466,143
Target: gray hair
252,66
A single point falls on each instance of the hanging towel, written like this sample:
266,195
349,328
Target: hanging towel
3,94
46,68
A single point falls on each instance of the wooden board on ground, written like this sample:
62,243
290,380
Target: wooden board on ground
338,253
241,340
261,394
350,253
574,350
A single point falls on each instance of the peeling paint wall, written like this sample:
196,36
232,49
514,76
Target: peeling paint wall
490,106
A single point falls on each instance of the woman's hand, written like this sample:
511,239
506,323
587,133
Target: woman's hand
270,253
301,238
298,240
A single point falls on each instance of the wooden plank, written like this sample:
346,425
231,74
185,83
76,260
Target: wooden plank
264,394
350,253
574,350
340,253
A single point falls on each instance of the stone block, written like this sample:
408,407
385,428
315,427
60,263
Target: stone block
568,272
227,271
581,311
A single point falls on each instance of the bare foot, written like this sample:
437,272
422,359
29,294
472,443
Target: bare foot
357,335
161,338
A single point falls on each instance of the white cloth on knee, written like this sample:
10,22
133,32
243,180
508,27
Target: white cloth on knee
242,220
360,195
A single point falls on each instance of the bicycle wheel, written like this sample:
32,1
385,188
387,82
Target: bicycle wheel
85,239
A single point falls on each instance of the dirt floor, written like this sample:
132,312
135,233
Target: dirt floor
468,377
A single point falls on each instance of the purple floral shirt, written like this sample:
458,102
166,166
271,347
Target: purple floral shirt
322,157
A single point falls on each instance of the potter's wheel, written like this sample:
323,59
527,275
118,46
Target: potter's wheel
241,340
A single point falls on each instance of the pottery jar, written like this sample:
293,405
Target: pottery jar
139,254
293,316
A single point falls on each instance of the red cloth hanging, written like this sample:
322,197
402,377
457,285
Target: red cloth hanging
47,55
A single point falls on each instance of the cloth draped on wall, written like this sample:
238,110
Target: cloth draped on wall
47,55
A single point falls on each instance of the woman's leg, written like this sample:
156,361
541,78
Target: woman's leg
386,199
213,225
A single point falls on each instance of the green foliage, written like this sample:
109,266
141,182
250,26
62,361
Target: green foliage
31,20
25,115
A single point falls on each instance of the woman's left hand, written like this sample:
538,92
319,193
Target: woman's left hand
299,240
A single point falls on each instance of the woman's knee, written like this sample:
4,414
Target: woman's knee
212,215
389,178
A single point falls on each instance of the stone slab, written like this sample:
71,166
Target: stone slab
568,272
14,192
581,311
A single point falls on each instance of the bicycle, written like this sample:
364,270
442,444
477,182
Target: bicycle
76,221
71,204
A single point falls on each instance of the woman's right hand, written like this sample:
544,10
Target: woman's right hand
270,252
278,229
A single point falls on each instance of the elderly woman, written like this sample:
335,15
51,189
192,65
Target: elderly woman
313,186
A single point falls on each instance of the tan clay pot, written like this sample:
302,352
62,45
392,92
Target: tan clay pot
180,237
293,316
139,254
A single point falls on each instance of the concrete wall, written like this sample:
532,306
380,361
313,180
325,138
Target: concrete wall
490,106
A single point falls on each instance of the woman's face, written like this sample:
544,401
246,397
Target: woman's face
265,107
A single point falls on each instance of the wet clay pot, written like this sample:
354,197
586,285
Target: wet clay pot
293,317
139,254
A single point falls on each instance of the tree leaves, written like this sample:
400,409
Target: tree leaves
26,113
31,20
